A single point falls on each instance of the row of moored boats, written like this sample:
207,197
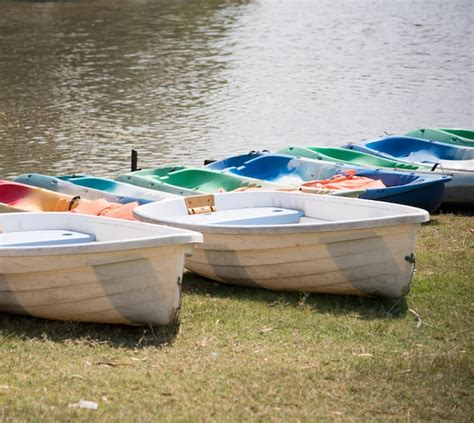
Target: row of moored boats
285,221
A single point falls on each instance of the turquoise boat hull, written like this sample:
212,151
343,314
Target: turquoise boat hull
116,188
65,187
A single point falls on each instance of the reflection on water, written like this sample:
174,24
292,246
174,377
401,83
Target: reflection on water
83,82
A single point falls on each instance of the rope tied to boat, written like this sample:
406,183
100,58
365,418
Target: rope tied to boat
417,318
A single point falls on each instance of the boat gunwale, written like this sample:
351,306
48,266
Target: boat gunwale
416,216
182,237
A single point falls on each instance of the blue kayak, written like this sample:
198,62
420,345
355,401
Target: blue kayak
127,191
420,151
412,189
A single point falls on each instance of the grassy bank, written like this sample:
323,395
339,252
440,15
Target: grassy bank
252,354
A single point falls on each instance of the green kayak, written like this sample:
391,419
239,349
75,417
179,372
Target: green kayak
352,157
464,137
463,133
188,181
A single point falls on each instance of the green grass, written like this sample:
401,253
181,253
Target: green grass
248,354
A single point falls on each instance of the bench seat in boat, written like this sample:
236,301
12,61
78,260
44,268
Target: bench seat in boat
245,216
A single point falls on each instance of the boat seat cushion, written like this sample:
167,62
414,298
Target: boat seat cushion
244,216
44,238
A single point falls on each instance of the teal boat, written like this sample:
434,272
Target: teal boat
463,137
352,157
93,188
188,181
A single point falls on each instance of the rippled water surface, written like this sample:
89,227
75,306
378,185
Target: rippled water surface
81,83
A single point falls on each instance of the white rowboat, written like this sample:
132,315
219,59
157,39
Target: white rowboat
91,269
298,242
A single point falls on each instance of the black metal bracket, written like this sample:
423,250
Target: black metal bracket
134,161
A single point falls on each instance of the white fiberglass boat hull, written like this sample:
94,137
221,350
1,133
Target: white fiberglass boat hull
340,246
131,274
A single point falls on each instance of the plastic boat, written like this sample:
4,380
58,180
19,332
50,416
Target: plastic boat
460,132
86,188
297,242
425,191
126,191
461,137
458,191
190,181
91,269
419,151
347,156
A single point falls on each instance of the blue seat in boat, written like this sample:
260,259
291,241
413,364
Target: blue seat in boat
246,216
44,238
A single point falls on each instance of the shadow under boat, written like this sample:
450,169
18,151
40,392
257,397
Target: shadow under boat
116,336
367,308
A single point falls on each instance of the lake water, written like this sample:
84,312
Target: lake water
81,83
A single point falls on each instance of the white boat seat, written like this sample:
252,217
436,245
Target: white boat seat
245,216
43,238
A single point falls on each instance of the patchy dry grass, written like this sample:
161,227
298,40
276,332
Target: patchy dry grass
244,354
